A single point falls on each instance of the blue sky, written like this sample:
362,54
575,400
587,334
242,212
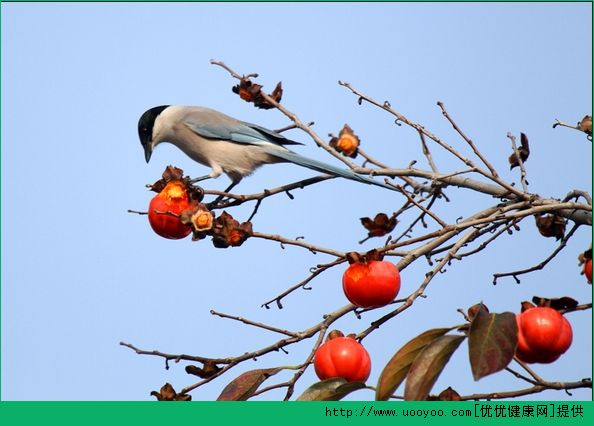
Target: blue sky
80,274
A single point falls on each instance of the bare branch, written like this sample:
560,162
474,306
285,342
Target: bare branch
584,383
420,206
254,323
541,265
468,140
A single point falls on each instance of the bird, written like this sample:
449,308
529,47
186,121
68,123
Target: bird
225,144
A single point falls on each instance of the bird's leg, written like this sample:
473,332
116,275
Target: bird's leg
230,187
220,197
201,178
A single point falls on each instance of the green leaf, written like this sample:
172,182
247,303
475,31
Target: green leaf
492,342
428,365
244,386
397,368
330,390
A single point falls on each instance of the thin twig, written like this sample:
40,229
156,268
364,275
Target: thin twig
541,265
584,383
255,324
421,207
314,273
468,140
299,243
427,153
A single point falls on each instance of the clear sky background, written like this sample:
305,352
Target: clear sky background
80,274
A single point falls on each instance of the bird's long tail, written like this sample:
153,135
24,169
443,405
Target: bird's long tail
318,166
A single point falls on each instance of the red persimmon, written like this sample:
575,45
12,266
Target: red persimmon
543,335
371,284
165,208
342,357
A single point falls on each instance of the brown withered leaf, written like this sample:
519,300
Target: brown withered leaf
585,125
527,305
473,310
448,394
354,257
167,393
347,142
247,90
170,173
252,92
229,232
523,150
276,95
209,369
550,225
334,334
585,256
380,225
195,193
557,303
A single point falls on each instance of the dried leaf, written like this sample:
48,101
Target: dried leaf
428,365
491,342
585,256
347,142
277,93
252,92
527,305
195,193
449,394
244,386
380,225
585,125
334,334
558,303
551,225
229,232
167,393
209,370
397,368
523,150
247,90
473,310
330,390
354,257
172,173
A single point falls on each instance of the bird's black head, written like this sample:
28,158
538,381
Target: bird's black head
145,129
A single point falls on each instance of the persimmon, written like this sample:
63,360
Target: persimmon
371,284
342,357
165,209
543,335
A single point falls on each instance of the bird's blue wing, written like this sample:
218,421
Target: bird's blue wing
214,125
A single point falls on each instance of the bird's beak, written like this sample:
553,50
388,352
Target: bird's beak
148,151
